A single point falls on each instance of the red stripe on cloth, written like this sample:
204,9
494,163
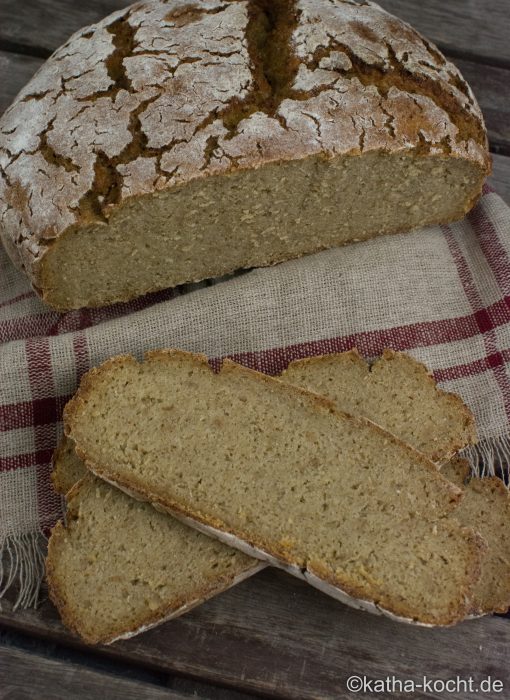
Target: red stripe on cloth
370,343
46,324
24,327
469,369
487,331
30,459
492,248
21,415
275,360
17,299
42,385
53,324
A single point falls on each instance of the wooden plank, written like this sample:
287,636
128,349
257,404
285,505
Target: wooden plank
16,70
275,635
476,28
491,87
500,178
21,22
28,676
459,27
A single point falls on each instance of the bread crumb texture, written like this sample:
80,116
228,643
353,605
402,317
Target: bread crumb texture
396,392
486,507
281,469
120,565
400,394
178,140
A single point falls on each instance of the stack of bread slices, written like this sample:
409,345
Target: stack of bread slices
181,481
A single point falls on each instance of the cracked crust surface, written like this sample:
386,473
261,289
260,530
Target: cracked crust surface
164,93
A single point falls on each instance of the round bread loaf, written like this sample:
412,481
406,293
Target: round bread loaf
175,141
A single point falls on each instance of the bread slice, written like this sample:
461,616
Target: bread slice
280,473
119,566
486,507
347,374
396,392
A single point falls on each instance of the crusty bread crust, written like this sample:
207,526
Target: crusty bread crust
271,550
479,509
65,475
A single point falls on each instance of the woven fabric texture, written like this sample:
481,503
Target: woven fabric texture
442,294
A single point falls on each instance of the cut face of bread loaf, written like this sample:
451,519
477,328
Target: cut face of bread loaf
119,566
278,472
175,141
396,392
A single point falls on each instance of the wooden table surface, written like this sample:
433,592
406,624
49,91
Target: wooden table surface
272,635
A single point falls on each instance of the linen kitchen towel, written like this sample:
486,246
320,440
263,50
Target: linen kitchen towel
442,294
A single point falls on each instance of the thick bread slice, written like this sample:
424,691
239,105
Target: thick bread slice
396,392
119,566
278,472
486,507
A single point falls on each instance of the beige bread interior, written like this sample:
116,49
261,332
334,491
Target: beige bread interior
346,370
120,566
396,392
486,506
279,468
218,224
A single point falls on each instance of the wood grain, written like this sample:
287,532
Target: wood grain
275,635
15,71
460,27
29,676
477,28
21,22
271,635
500,178
491,87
